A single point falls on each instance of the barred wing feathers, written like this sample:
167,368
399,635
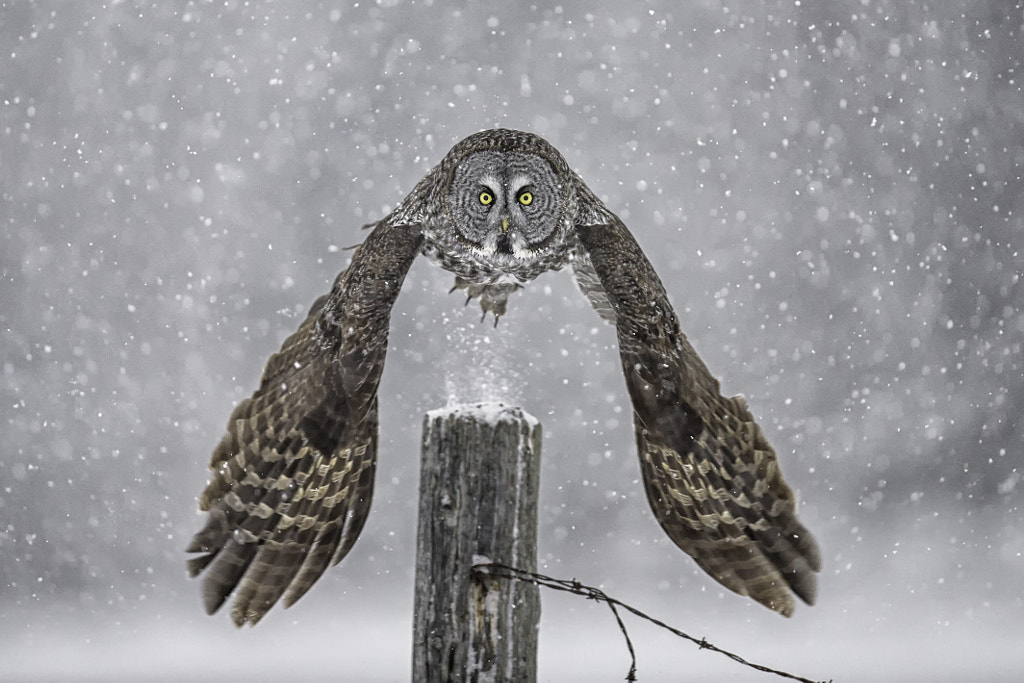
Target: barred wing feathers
293,476
712,479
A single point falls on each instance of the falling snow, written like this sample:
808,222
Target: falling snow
832,193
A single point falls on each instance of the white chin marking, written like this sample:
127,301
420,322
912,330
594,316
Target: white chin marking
489,249
520,251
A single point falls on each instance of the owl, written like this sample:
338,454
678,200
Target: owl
292,478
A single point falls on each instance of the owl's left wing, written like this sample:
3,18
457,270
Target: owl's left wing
293,476
711,477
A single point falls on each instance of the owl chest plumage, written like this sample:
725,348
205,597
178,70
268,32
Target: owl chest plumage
443,246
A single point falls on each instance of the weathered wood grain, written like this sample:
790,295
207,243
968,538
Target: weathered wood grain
478,504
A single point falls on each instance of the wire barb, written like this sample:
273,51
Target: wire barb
502,571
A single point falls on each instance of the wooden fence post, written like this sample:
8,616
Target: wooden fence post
478,503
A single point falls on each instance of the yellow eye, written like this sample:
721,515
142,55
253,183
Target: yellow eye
526,198
486,198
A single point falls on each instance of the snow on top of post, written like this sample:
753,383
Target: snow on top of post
488,412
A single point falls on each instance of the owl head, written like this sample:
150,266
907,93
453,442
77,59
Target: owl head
507,194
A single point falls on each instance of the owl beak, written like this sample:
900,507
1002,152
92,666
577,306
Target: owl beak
504,226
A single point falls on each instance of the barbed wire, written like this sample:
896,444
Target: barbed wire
502,571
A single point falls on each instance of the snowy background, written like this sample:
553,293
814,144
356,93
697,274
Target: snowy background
832,193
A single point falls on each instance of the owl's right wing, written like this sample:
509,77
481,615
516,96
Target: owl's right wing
293,476
711,478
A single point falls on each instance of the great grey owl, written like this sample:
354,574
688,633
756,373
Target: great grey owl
293,477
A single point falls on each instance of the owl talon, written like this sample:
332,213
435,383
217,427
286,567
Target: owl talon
493,295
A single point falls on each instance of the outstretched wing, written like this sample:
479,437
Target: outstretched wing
711,478
293,476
